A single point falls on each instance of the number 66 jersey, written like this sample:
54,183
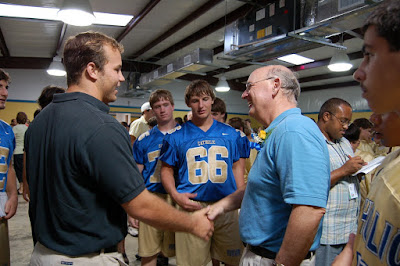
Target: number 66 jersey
204,159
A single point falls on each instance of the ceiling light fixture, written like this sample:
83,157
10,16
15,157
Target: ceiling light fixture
76,12
340,61
222,85
46,13
56,67
295,59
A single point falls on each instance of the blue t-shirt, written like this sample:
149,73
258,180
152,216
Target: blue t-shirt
7,146
146,151
204,159
291,168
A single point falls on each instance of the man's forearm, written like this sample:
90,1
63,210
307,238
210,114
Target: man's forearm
156,212
336,175
300,232
238,172
227,204
11,187
168,180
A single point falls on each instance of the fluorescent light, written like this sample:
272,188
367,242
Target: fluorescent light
295,59
112,19
19,11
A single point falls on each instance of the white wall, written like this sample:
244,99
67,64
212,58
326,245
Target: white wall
311,101
27,84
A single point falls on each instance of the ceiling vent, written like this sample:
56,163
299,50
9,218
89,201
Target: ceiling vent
292,26
190,63
132,88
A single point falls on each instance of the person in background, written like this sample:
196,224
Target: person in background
218,110
179,120
146,151
125,125
13,122
189,116
206,154
343,205
19,133
352,134
139,126
366,144
237,123
8,185
152,122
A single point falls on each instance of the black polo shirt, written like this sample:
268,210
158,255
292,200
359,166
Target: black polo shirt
80,169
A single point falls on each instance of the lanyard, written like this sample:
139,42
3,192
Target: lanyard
341,153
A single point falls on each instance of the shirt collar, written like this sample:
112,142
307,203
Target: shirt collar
70,96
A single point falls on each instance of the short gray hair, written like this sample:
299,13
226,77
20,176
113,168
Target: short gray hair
289,82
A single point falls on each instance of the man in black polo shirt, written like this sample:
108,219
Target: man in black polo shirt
82,177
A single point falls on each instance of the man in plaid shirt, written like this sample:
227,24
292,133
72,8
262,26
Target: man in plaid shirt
344,202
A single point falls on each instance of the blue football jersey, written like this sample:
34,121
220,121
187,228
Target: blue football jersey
204,159
146,151
7,146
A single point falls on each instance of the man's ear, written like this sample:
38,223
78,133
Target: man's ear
276,87
326,116
92,71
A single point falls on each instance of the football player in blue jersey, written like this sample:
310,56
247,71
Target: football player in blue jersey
207,155
8,185
146,151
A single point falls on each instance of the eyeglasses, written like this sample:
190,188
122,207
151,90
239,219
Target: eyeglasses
342,121
250,84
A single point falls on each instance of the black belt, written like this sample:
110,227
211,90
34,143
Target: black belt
108,250
266,253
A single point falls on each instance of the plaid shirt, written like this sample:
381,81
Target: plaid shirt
341,212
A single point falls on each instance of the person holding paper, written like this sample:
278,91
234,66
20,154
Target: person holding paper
343,203
8,185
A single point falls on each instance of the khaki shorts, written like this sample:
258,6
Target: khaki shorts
153,240
4,243
225,244
44,256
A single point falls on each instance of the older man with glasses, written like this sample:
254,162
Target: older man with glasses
288,184
344,200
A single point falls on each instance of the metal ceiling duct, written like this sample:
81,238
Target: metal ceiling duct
292,26
189,63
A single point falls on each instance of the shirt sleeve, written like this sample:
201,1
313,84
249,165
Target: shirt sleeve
168,153
244,145
304,169
109,161
138,152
